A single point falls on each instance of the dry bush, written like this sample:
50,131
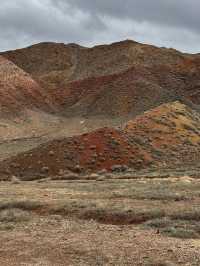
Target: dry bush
13,216
182,224
22,205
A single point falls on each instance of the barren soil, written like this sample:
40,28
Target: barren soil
123,222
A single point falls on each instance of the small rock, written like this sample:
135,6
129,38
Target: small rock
101,178
93,147
78,168
71,176
45,169
51,153
102,172
119,168
94,176
15,180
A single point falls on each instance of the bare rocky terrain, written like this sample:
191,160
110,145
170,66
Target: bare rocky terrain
99,155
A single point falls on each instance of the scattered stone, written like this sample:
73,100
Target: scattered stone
102,159
15,180
119,168
94,176
78,169
101,178
102,172
45,169
15,165
51,153
93,147
71,176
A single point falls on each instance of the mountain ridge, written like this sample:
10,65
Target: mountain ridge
59,68
64,90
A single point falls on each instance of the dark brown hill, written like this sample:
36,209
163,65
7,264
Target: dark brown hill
127,93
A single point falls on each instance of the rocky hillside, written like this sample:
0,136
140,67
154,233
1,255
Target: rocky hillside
124,78
167,136
90,152
170,133
52,90
119,95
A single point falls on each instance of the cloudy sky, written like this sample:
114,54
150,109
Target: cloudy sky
169,23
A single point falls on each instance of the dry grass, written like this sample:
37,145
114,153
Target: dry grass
21,205
183,229
104,212
118,202
14,212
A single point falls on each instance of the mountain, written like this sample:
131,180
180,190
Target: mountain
52,90
166,136
121,79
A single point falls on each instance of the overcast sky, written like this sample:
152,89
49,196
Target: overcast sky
169,23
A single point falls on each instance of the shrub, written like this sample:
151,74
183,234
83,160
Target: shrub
23,205
13,216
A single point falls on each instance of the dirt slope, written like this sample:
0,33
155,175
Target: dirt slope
167,136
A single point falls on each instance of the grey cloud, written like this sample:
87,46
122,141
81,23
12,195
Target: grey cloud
182,13
34,21
161,22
